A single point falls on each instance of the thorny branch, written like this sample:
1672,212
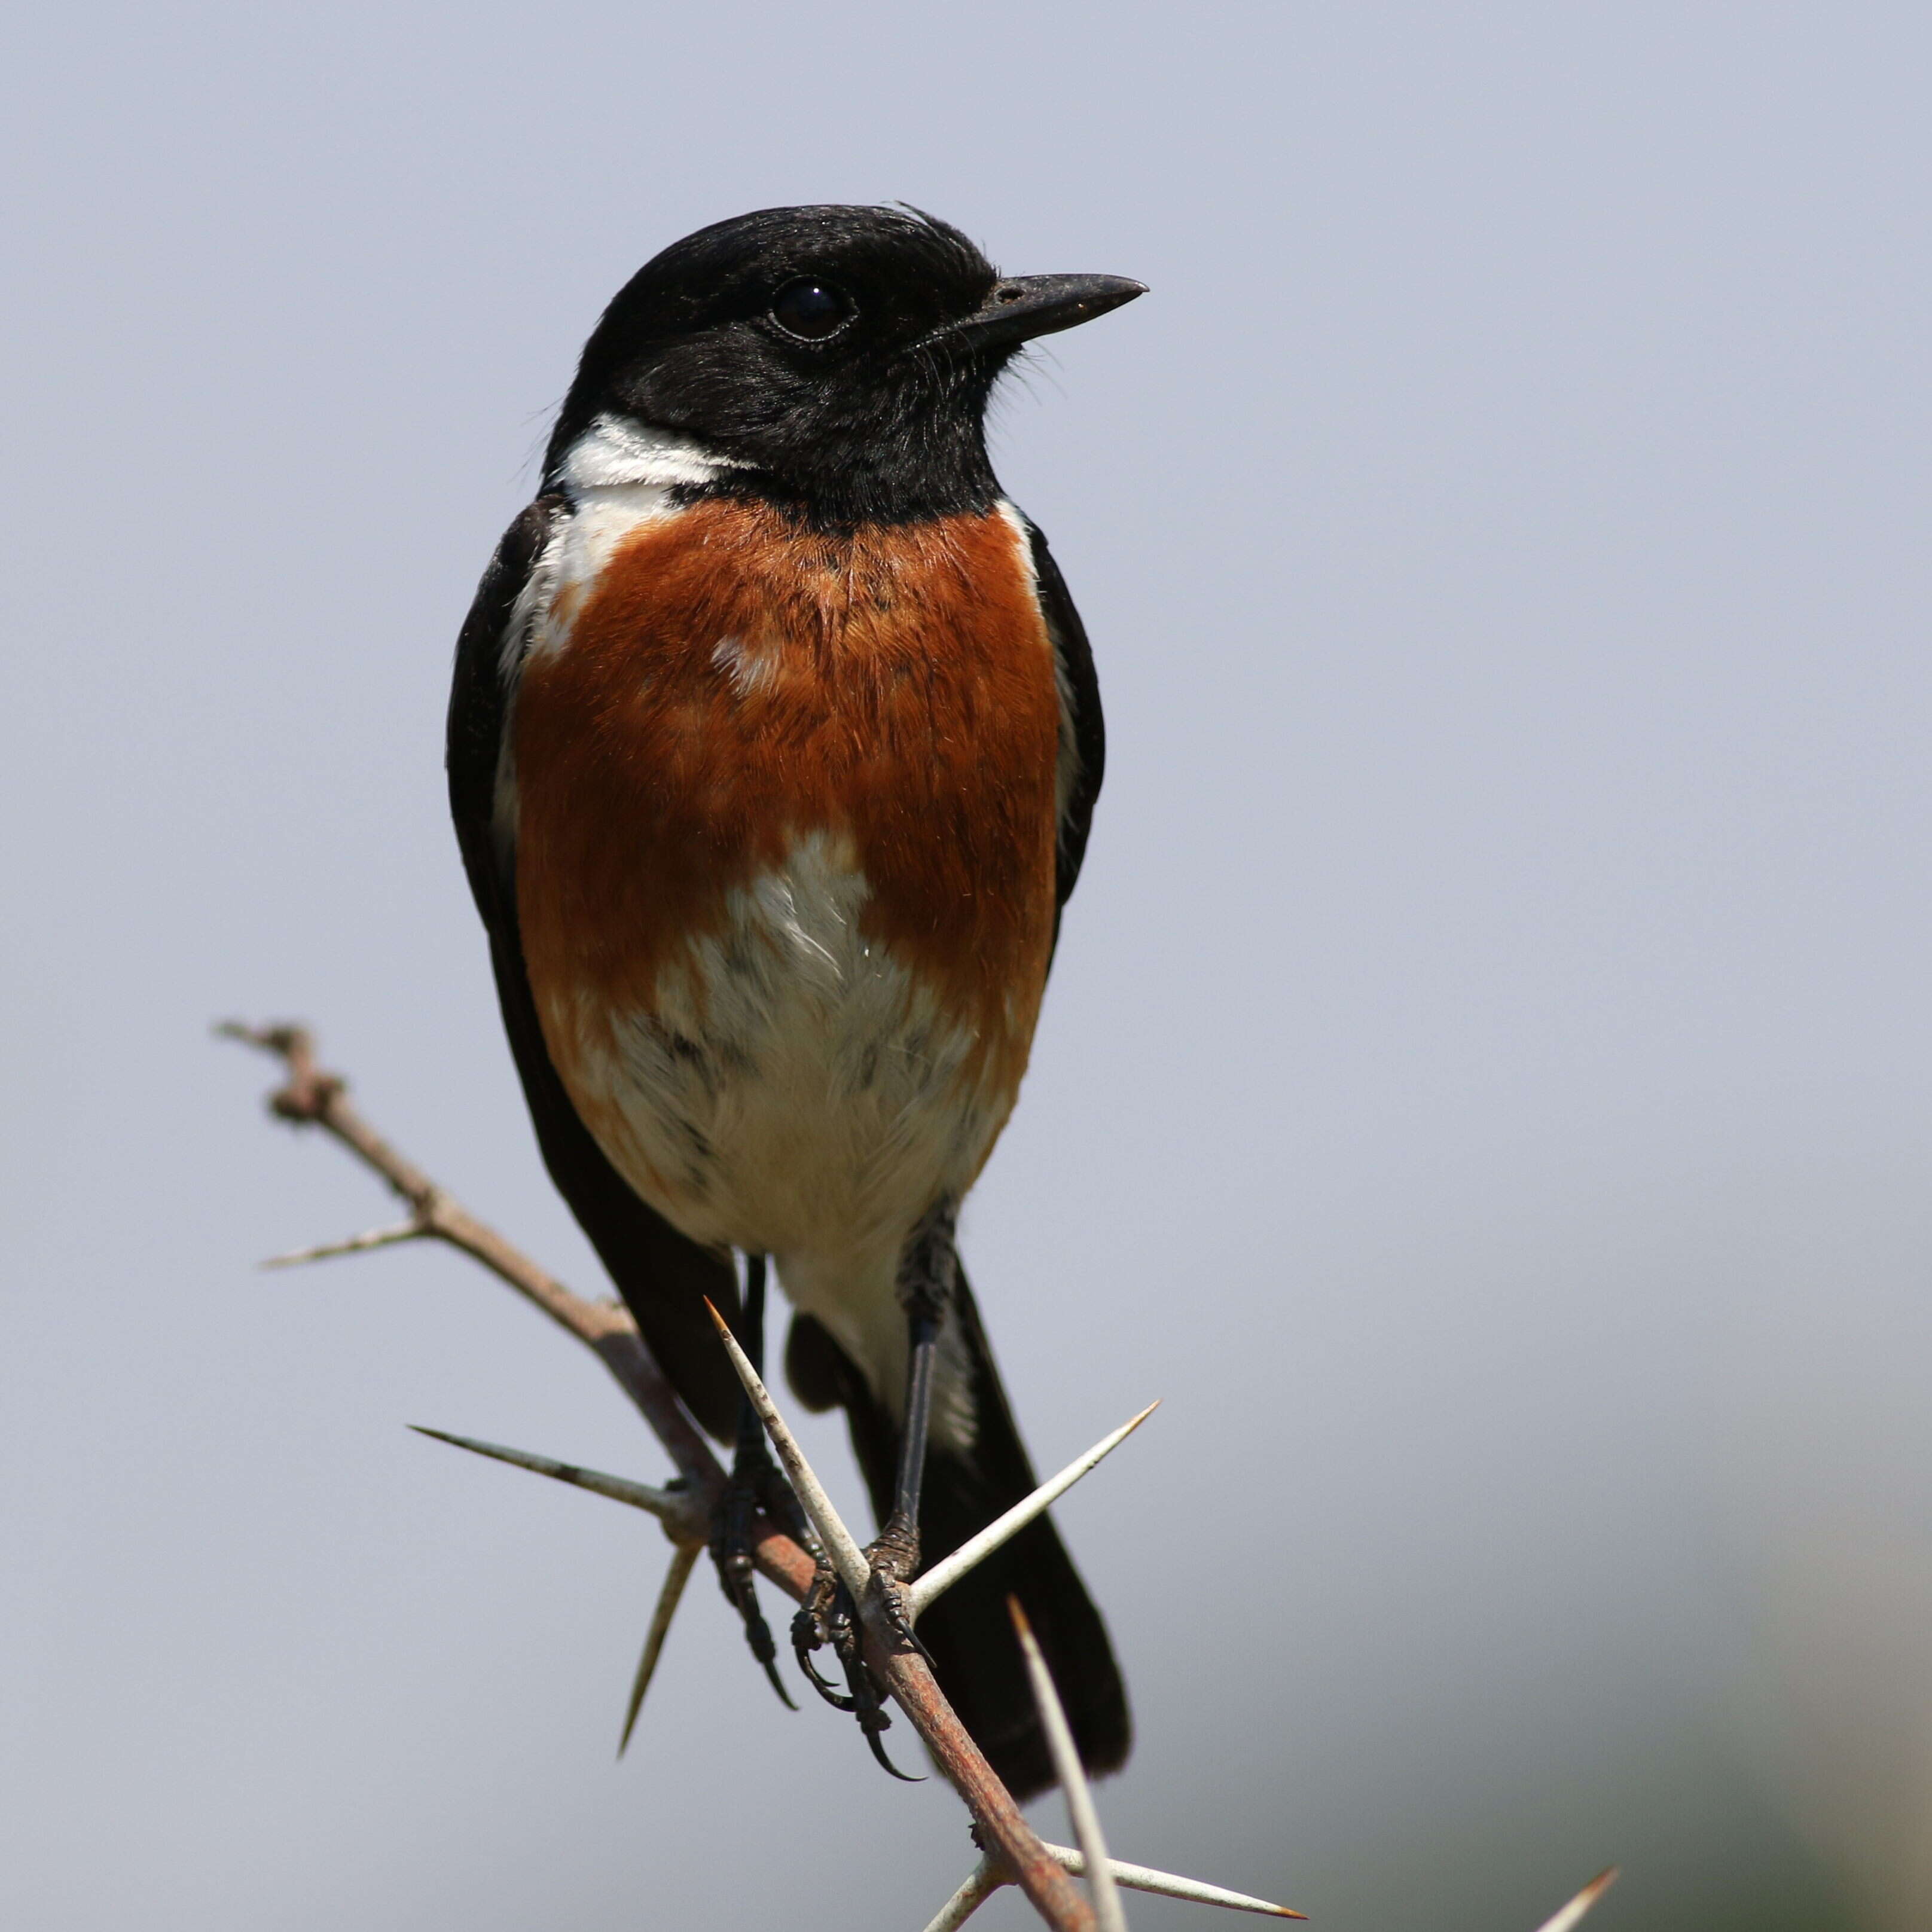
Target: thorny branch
311,1096
1013,1853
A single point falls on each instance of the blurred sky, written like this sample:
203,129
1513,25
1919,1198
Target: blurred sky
1485,1089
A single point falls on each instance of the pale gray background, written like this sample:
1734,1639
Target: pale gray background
1486,1087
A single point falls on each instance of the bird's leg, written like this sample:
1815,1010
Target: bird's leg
927,1272
754,1483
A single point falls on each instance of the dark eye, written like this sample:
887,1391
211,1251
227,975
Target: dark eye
811,310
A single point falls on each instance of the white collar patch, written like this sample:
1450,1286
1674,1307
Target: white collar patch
615,453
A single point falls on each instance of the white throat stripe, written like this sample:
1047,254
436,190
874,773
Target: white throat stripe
614,453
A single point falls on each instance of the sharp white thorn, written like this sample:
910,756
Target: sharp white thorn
980,1885
949,1569
356,1244
682,1560
1107,1914
668,1505
1572,1914
847,1559
1169,1885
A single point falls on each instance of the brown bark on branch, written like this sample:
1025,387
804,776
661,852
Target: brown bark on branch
312,1097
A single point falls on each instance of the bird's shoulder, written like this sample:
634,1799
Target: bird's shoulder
488,648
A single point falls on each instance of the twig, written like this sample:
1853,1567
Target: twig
1053,1895
975,1550
1108,1912
847,1559
1572,1914
1172,1885
356,1244
312,1097
979,1886
684,1559
672,1508
984,1879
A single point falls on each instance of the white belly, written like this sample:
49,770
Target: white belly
796,1092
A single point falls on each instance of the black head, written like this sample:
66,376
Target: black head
844,356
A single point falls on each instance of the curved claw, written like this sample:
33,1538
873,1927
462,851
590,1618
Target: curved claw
805,1639
826,1688
879,1752
828,1616
731,1550
758,1637
900,1623
866,1703
771,1678
871,1720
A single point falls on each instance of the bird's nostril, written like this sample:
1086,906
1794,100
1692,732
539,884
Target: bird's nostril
1009,294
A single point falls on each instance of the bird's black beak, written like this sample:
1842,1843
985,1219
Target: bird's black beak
1022,307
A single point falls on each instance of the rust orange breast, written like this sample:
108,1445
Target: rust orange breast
731,683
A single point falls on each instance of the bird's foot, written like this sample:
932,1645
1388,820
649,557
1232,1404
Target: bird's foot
755,1486
829,1619
894,1556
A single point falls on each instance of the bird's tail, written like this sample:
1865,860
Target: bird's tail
975,1654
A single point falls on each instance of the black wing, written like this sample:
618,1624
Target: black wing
1086,731
663,1276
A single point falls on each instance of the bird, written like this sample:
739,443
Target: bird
774,742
